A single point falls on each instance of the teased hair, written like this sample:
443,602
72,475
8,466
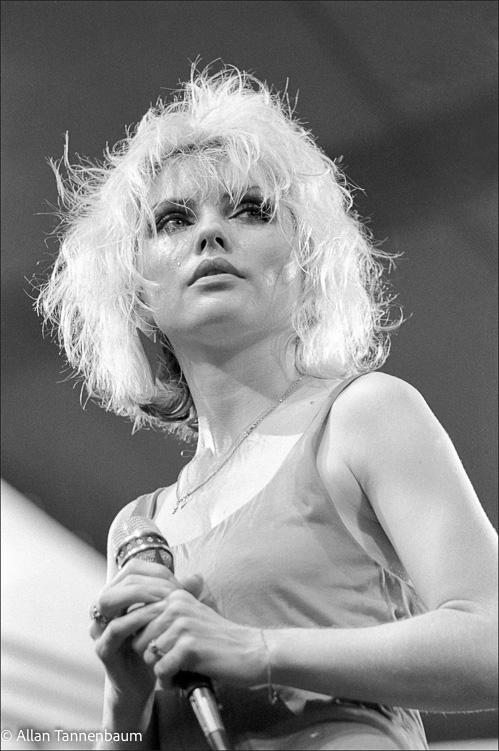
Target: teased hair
231,128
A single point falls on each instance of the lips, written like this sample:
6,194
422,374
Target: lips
213,266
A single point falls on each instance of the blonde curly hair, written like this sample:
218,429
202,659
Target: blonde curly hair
230,128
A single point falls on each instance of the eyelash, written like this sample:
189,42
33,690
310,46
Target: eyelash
162,221
262,210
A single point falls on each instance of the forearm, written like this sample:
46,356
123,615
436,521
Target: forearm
131,720
444,660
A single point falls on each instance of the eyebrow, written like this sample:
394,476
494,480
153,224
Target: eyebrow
188,203
172,203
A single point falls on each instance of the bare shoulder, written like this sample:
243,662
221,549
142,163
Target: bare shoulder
377,387
378,399
379,419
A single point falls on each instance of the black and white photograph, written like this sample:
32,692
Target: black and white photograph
249,375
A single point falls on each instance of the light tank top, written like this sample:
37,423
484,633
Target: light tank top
290,558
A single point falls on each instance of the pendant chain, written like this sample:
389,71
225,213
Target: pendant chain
183,499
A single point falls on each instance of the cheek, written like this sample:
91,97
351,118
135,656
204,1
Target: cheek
283,281
290,284
290,274
277,264
160,257
160,267
280,276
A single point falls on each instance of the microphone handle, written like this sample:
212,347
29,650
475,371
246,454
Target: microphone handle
199,690
188,682
144,541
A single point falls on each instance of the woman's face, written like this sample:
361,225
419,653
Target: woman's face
223,268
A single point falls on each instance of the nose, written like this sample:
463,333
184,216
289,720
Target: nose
212,240
212,236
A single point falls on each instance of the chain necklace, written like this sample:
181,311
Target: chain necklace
183,499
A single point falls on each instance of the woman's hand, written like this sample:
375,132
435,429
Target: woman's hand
194,637
133,598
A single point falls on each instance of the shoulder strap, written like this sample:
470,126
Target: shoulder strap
341,387
374,540
146,504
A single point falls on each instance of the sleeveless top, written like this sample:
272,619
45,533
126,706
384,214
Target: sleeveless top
291,558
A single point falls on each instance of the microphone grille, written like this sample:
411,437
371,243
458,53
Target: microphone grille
139,537
136,526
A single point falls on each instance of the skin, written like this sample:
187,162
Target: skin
207,315
229,334
384,443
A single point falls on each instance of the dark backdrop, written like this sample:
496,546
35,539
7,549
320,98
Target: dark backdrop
404,91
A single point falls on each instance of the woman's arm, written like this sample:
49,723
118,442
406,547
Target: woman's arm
382,440
129,709
128,718
404,462
442,661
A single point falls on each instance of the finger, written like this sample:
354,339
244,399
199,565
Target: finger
129,623
159,626
144,568
177,607
120,629
193,584
114,600
153,653
167,667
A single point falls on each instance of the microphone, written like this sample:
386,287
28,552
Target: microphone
139,537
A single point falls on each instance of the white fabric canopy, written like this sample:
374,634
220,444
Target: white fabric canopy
51,677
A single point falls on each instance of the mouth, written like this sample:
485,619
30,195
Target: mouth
214,267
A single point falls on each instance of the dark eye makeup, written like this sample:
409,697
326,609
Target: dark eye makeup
171,216
255,208
173,219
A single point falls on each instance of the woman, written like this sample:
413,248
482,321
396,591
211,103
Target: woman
333,567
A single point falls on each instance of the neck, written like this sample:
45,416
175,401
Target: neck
232,388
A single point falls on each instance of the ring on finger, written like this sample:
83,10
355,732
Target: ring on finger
98,617
155,649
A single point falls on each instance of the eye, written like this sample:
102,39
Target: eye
172,221
254,209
